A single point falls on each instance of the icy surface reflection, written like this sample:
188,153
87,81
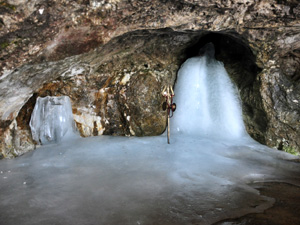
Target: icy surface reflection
119,180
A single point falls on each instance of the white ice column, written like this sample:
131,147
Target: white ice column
52,119
207,101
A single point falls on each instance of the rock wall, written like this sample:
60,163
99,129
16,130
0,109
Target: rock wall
113,57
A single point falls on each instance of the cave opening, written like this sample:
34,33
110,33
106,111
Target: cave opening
160,57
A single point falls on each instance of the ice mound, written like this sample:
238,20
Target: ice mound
52,119
207,101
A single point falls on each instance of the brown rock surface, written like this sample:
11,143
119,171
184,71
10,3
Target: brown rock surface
113,57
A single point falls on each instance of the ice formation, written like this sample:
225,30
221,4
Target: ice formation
207,101
200,178
52,119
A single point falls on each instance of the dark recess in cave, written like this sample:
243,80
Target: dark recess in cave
24,115
227,48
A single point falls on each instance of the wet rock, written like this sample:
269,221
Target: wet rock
15,141
146,116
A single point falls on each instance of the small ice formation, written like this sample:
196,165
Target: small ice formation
207,101
52,119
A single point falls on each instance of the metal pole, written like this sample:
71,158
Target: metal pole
168,93
168,129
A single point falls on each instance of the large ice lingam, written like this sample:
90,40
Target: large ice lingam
208,102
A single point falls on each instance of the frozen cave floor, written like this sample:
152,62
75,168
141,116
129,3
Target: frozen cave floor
285,210
130,180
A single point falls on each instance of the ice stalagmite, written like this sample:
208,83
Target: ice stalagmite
52,119
207,101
